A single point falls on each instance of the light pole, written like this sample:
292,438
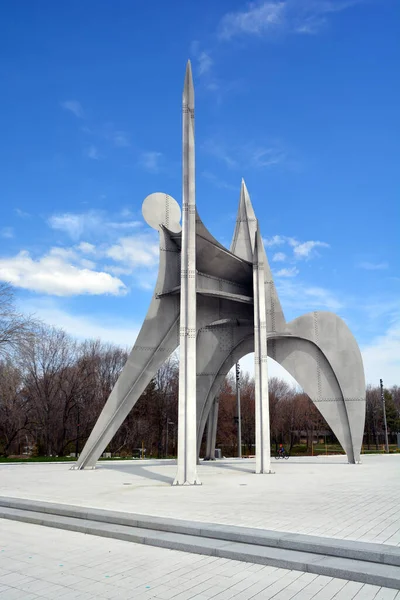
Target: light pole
239,416
384,418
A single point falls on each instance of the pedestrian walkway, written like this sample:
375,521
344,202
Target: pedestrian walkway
322,496
41,563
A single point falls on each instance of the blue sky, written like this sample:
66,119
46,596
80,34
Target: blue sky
299,97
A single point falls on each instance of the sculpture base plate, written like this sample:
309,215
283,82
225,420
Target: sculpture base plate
195,482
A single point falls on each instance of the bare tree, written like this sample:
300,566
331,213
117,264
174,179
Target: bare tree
14,326
47,360
16,415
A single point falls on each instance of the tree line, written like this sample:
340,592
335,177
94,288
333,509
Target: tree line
53,387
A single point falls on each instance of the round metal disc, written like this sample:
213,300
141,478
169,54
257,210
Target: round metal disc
159,209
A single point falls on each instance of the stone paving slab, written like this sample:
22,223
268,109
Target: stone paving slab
322,496
38,563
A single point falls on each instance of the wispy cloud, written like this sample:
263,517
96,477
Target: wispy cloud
205,63
264,19
302,297
279,257
373,266
276,240
91,223
21,213
93,153
248,156
75,224
86,248
266,157
217,182
118,137
121,139
289,272
219,151
258,19
7,232
301,250
203,60
108,328
305,250
151,161
208,78
74,107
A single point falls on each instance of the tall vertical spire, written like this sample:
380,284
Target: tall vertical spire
187,447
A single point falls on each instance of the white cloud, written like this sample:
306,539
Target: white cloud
301,250
305,249
124,224
135,251
267,18
92,222
52,274
93,153
382,357
150,161
87,264
205,63
279,257
74,224
276,240
203,58
7,232
301,297
289,272
73,106
86,248
258,19
373,266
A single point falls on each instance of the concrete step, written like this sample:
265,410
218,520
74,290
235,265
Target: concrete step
362,571
370,552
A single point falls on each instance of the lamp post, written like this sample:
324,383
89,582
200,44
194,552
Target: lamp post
239,416
384,417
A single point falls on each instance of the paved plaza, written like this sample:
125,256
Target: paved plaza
37,562
322,496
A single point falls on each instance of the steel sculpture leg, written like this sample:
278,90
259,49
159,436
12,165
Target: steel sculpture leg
212,422
158,338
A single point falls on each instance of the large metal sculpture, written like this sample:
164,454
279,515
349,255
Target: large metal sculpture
218,305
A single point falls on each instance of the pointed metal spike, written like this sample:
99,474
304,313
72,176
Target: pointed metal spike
188,87
245,200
